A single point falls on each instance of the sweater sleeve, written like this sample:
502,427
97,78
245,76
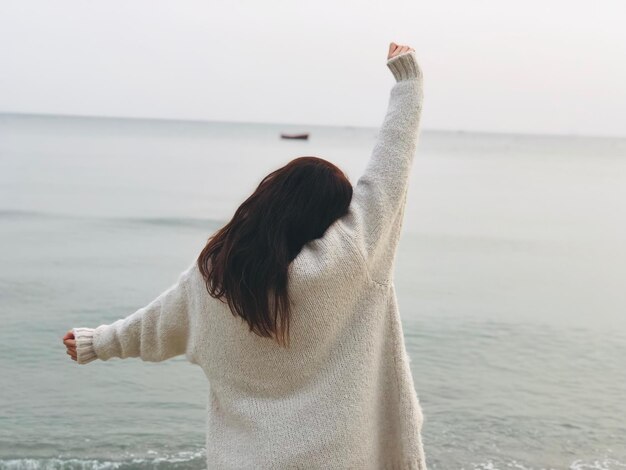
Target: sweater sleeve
153,333
375,216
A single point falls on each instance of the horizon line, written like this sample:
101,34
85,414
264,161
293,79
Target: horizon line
274,123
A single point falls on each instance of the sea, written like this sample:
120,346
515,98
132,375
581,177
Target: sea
510,274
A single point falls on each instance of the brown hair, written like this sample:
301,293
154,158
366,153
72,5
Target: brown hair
247,260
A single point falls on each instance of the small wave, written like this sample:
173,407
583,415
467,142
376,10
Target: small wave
607,464
174,221
16,213
163,221
600,464
181,460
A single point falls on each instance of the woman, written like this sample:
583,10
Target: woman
291,312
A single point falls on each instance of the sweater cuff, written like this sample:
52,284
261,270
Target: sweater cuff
404,66
85,352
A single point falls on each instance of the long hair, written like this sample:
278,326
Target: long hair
246,262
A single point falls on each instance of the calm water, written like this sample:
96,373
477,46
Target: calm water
510,279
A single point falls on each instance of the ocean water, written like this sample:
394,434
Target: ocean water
510,276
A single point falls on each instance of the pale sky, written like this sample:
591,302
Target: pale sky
538,66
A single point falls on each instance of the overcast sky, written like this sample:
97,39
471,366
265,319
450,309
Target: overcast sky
542,66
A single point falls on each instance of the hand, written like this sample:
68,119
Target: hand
70,342
397,49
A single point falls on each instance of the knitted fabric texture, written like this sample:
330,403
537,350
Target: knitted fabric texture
342,395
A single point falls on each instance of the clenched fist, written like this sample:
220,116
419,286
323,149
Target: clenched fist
397,49
70,343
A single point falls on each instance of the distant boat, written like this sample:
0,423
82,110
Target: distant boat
304,135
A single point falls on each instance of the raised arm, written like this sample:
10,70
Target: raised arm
377,209
154,333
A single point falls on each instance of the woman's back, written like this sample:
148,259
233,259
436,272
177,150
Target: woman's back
342,393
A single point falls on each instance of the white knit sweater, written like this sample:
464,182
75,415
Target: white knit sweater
342,396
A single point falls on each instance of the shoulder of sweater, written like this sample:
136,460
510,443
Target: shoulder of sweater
354,238
191,277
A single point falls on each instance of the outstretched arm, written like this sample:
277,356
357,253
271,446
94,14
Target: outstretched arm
154,333
377,209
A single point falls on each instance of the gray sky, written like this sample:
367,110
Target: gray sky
545,66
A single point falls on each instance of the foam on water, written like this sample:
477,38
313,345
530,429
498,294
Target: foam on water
196,460
178,461
603,464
